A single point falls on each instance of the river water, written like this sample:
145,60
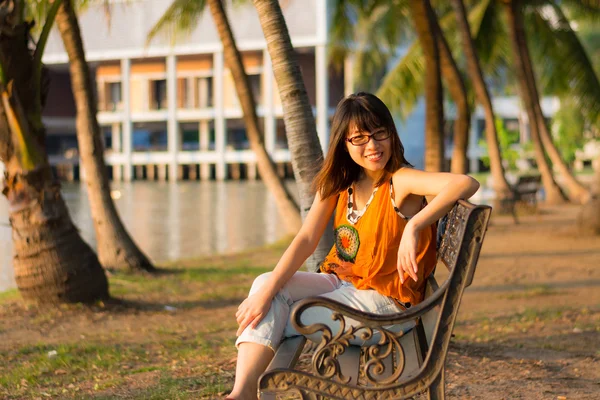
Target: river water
172,221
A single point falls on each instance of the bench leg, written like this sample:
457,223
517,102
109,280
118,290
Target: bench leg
436,390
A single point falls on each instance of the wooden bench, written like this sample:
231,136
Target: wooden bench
399,365
524,192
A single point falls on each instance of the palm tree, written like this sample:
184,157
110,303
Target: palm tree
116,249
521,56
51,261
458,92
565,68
305,149
286,205
500,184
576,192
372,33
422,15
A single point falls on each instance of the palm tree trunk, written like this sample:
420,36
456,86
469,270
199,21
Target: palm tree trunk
116,249
500,185
305,149
553,193
52,263
576,192
458,92
288,208
422,15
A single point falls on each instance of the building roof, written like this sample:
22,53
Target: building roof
130,21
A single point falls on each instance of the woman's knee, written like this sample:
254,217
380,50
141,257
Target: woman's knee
259,282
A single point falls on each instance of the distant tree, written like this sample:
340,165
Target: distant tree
116,249
423,18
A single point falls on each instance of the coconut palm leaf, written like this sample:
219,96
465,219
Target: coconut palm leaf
371,32
565,68
490,37
402,87
180,19
37,10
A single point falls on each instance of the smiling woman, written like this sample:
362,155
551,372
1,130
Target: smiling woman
380,260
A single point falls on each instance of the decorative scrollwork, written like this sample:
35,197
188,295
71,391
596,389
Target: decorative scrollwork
388,346
325,362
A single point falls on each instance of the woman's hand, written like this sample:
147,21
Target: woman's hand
252,311
407,252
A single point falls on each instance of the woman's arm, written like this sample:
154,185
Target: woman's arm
254,308
446,187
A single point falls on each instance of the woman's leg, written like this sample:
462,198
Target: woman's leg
362,300
256,347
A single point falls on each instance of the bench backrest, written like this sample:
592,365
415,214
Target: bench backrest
461,239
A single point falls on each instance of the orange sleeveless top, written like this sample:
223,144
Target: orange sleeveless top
366,253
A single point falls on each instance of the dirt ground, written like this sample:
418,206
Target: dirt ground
529,326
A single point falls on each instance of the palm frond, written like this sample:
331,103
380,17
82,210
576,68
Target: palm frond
491,40
341,32
403,85
371,32
563,67
180,19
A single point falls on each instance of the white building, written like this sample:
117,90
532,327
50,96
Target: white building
169,109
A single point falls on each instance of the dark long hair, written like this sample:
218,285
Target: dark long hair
367,113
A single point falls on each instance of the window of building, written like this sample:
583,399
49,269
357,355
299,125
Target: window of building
158,94
205,92
114,96
255,87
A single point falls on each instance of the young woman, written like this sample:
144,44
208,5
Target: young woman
384,236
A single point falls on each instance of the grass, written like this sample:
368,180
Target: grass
534,291
171,336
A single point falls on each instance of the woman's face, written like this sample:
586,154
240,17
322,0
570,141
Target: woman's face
373,155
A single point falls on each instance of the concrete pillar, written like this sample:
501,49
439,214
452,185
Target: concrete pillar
192,93
473,146
127,124
162,172
193,172
204,133
150,172
116,137
322,96
349,75
251,172
524,133
117,172
205,172
173,134
220,131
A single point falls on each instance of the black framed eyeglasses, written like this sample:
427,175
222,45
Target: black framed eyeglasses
359,140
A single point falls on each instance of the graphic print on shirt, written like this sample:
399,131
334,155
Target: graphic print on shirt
347,242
